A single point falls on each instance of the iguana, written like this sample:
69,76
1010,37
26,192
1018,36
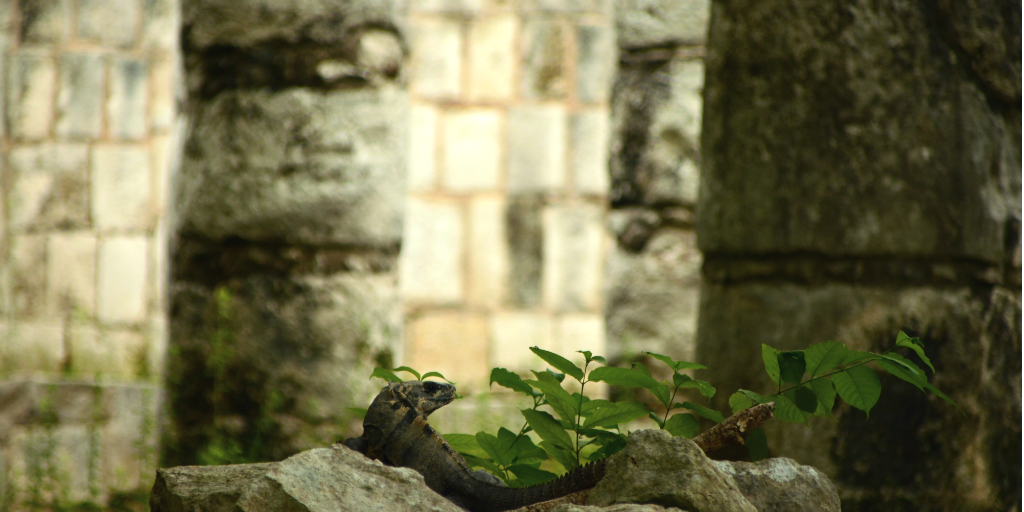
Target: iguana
395,432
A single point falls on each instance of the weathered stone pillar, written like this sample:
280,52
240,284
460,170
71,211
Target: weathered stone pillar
289,205
861,175
654,269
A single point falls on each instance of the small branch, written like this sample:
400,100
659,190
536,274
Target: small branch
735,428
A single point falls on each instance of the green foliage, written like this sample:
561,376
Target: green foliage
579,428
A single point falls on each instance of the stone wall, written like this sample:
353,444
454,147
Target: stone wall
87,96
289,205
654,270
505,241
861,175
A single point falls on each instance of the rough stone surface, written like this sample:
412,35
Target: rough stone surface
652,23
71,274
49,187
430,266
782,485
280,353
472,149
120,180
671,471
436,61
31,85
109,22
574,241
45,21
126,102
422,165
543,69
301,166
432,337
80,97
207,488
536,148
877,109
121,279
972,338
492,64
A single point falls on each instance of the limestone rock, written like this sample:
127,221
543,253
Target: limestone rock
671,471
336,478
646,23
783,485
628,507
203,488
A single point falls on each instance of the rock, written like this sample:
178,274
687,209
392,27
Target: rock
659,469
647,23
783,485
616,508
336,478
203,488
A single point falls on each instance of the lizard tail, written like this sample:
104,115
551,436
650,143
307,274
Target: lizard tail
497,499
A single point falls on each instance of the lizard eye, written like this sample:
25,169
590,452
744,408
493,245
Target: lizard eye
431,387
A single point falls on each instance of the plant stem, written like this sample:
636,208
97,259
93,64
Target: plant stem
668,406
833,372
579,411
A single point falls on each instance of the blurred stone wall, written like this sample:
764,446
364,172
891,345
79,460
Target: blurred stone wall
653,274
862,175
505,241
288,209
87,97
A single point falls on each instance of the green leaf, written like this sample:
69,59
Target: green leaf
464,443
548,428
682,425
408,370
435,374
480,462
677,365
609,448
901,372
685,381
590,406
387,375
560,377
710,414
510,380
564,456
560,363
822,357
761,399
631,378
943,396
657,419
792,366
859,386
599,359
757,444
771,363
590,357
640,367
495,449
855,356
739,402
825,394
918,348
525,452
559,399
611,415
528,475
906,363
786,408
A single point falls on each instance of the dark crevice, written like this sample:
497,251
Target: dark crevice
884,270
211,262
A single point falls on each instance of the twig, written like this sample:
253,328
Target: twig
735,428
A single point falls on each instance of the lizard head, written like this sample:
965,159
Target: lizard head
423,396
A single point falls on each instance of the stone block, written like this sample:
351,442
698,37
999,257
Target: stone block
31,84
121,279
654,296
45,21
436,59
161,24
596,62
111,354
80,98
492,58
536,148
126,99
452,343
157,338
574,255
27,268
163,151
32,347
577,331
524,231
49,465
109,22
588,133
512,335
543,73
423,130
164,86
71,274
488,252
652,23
159,273
129,439
344,184
49,187
431,263
472,149
121,187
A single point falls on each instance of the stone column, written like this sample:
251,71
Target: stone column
654,269
289,205
861,175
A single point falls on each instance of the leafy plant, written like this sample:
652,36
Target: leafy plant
582,428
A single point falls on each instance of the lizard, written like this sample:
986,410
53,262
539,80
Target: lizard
395,432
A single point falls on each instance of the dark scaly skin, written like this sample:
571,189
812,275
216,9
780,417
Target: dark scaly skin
396,432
